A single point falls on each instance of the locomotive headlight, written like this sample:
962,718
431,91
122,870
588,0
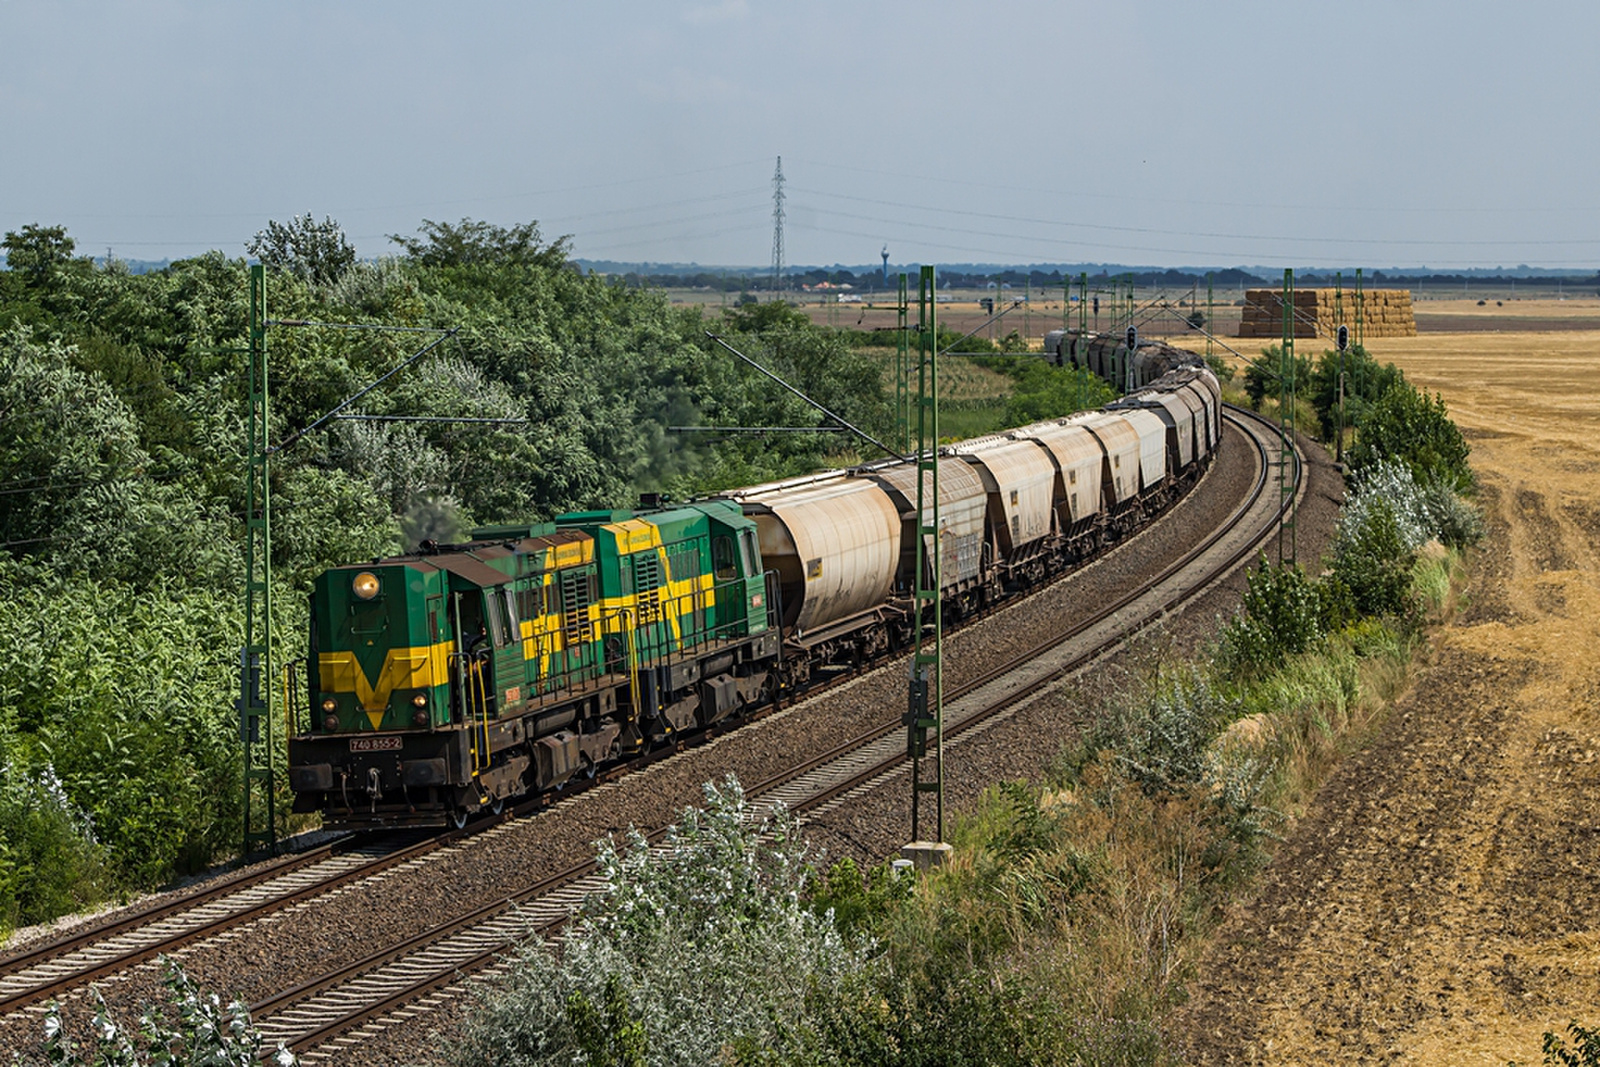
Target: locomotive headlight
420,718
331,723
420,700
330,705
365,585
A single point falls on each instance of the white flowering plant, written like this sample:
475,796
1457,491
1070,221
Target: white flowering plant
698,946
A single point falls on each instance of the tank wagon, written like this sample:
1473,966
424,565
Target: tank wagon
459,676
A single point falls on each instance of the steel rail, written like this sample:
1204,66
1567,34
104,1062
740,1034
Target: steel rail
52,970
313,1018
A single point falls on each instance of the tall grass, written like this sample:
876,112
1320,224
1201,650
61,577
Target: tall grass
1074,910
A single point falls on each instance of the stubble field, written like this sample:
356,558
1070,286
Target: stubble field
1441,902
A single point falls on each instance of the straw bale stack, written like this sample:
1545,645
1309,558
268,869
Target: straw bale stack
1384,313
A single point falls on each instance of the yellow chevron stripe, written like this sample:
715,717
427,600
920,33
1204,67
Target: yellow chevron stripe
403,668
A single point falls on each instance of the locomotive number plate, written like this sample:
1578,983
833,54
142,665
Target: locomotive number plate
375,744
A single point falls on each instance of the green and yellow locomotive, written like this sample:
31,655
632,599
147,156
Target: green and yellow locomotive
463,675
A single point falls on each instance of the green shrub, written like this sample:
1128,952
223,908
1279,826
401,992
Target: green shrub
1585,1050
1158,737
1047,392
1221,368
1283,613
1373,562
1456,522
1365,380
1264,376
1414,429
50,862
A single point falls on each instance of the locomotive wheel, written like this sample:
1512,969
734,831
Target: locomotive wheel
458,816
498,806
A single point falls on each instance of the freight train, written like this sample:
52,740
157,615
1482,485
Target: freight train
454,678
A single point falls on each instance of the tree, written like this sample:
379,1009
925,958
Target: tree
473,242
38,251
1365,380
1263,375
314,251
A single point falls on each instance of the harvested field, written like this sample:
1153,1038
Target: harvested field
1440,904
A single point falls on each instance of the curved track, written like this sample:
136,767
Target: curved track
325,1019
324,1016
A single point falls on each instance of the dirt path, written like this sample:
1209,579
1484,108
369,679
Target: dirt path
1441,902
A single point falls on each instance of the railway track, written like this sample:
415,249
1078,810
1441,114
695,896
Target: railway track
325,1019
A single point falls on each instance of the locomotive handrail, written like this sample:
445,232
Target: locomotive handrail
480,735
474,713
290,720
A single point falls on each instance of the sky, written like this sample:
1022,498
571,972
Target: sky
1402,133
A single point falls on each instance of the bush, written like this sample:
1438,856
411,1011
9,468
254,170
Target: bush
1284,613
1158,737
1221,368
1585,1050
698,947
50,862
1390,483
1414,429
1373,561
1456,523
1263,376
1365,380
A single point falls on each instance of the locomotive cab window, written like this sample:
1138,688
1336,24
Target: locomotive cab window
513,628
499,626
722,559
747,550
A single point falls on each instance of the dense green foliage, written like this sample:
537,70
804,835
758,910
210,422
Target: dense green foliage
122,404
1046,392
1285,612
1413,428
1365,380
1264,376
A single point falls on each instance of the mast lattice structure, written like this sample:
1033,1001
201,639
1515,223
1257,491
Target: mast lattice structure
777,231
